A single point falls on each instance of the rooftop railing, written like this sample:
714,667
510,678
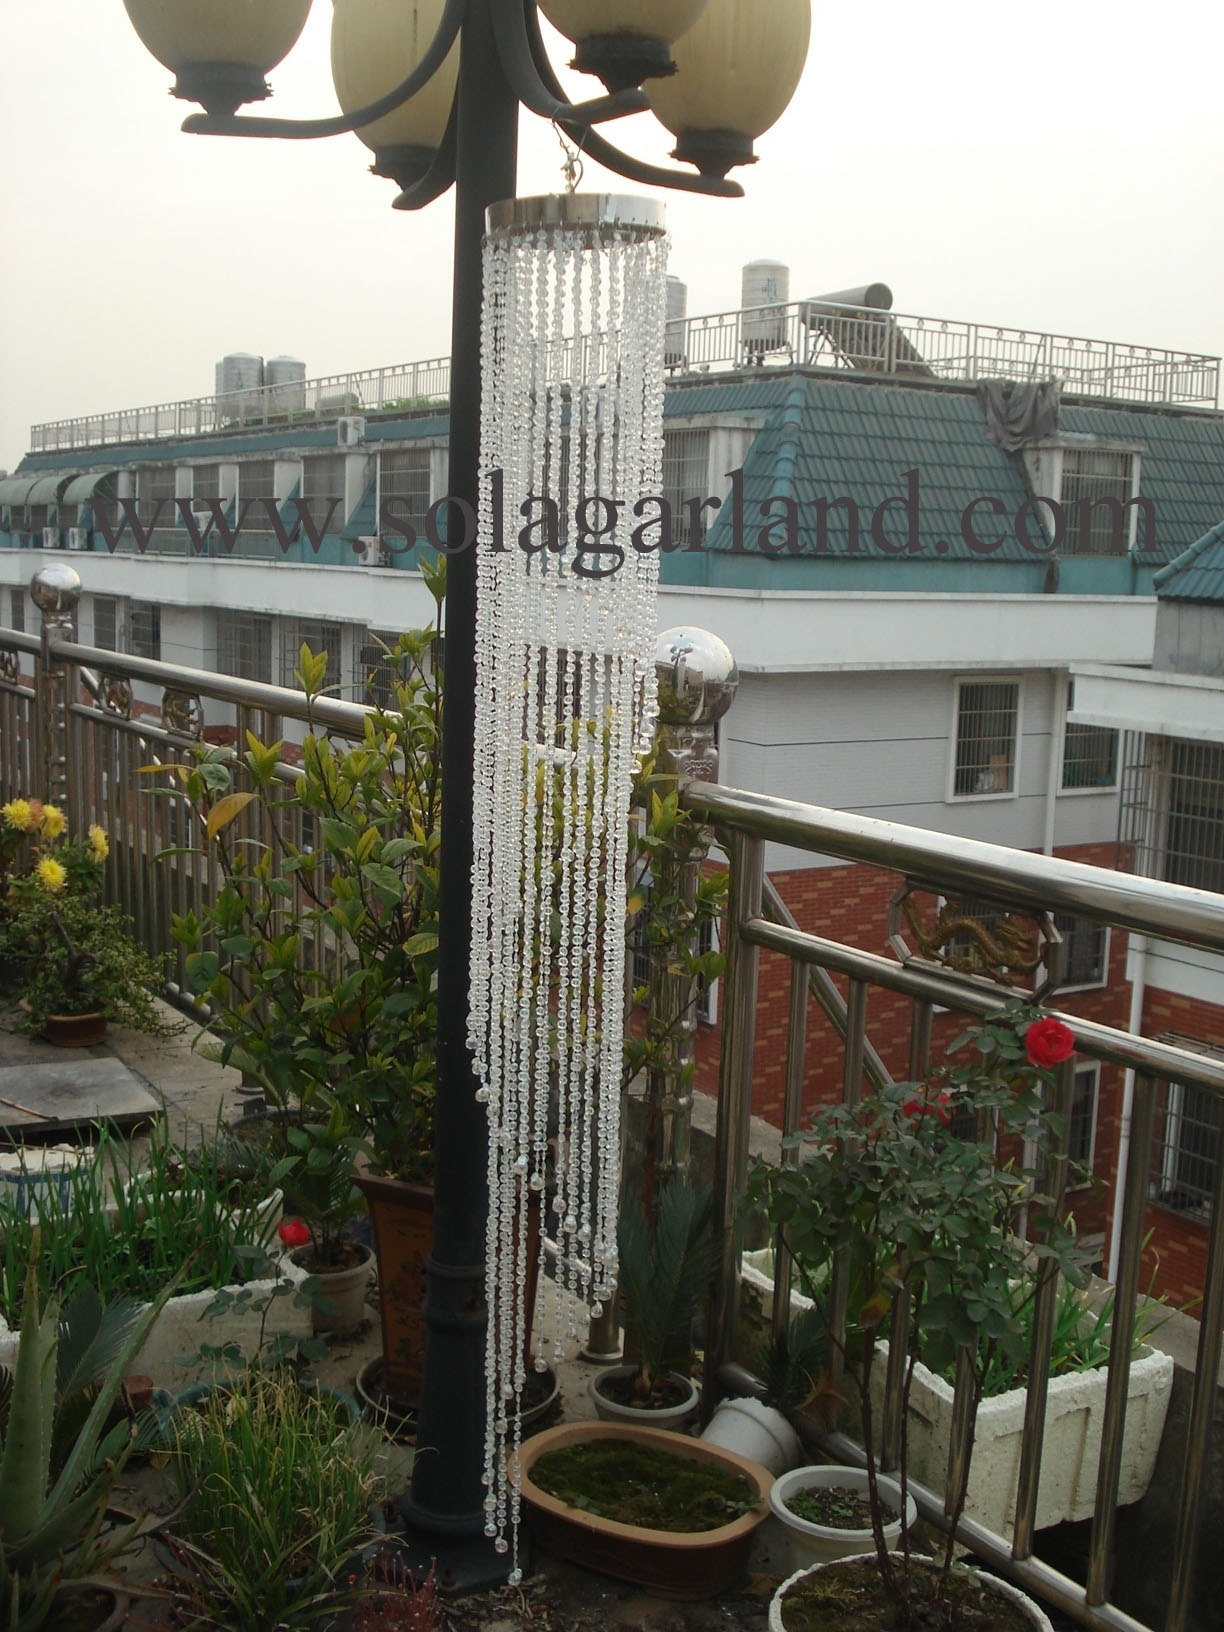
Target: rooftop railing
88,752
809,333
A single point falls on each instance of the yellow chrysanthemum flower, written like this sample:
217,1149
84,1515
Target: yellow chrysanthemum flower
50,874
98,843
53,821
19,813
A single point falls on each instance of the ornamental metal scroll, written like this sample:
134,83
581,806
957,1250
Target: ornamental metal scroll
978,939
182,712
115,695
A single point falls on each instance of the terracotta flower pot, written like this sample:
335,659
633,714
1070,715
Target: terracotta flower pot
72,1030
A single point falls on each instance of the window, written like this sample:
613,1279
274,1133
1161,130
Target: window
144,630
377,670
987,720
244,645
17,609
106,622
1090,753
1194,847
639,951
1085,951
256,480
1081,1131
320,637
206,482
1187,1144
403,475
153,488
686,475
323,486
1096,484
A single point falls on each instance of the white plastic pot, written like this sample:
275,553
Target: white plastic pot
1040,1620
759,1432
673,1416
807,1543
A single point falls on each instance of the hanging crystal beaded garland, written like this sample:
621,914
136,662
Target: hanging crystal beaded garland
571,439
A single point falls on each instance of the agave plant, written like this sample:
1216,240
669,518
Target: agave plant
664,1275
59,1452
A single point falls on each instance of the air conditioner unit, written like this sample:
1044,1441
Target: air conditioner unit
371,551
78,538
50,538
350,431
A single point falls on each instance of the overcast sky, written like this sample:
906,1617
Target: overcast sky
1057,165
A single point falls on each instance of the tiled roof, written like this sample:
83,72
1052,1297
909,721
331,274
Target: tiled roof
1197,574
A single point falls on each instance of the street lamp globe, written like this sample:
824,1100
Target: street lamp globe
219,50
737,69
623,42
375,45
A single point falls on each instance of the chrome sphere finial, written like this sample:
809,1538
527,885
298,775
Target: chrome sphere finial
697,676
55,589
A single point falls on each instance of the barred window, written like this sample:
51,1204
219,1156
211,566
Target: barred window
144,630
1085,951
987,715
106,622
257,480
1095,483
639,953
17,609
1090,753
320,637
1081,1131
403,475
1194,848
323,480
377,670
206,482
156,487
686,475
244,645
1187,1145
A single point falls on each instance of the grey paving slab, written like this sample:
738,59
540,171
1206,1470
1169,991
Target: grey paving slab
43,1099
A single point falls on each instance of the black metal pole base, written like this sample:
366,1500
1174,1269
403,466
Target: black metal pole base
461,1564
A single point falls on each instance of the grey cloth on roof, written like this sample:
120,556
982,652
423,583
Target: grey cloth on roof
1019,411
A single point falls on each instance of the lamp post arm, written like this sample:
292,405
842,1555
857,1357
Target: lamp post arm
440,176
605,152
305,130
513,25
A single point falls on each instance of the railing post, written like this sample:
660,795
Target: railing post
55,591
697,680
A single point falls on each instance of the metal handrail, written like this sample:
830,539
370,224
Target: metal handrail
1036,884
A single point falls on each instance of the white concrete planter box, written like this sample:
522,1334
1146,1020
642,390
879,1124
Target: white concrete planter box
182,1328
1075,1410
1075,1413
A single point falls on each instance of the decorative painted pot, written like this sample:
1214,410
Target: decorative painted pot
759,1432
808,1543
673,1564
667,1417
1040,1620
402,1218
345,1288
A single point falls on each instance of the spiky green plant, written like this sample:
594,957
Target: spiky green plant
59,1457
664,1275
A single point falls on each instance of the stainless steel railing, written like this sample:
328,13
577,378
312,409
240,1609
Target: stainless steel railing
1035,885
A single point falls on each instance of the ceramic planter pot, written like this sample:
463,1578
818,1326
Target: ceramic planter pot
401,1215
345,1288
1037,1616
808,1543
673,1564
759,1432
670,1417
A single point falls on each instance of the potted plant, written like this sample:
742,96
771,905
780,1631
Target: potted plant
670,1513
792,1371
64,1440
825,1513
664,1274
317,1179
71,963
913,1209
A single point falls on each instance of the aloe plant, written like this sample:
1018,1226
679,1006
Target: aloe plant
664,1275
58,1457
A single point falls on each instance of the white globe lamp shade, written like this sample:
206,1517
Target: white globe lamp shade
623,42
219,50
375,45
736,71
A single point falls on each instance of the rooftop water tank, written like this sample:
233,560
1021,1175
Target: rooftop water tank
766,290
239,385
677,311
285,379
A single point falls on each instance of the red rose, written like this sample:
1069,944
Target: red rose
1048,1042
940,1106
293,1232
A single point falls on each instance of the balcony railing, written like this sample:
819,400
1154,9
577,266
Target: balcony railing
95,747
812,333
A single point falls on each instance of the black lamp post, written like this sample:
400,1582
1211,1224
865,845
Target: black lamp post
738,63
